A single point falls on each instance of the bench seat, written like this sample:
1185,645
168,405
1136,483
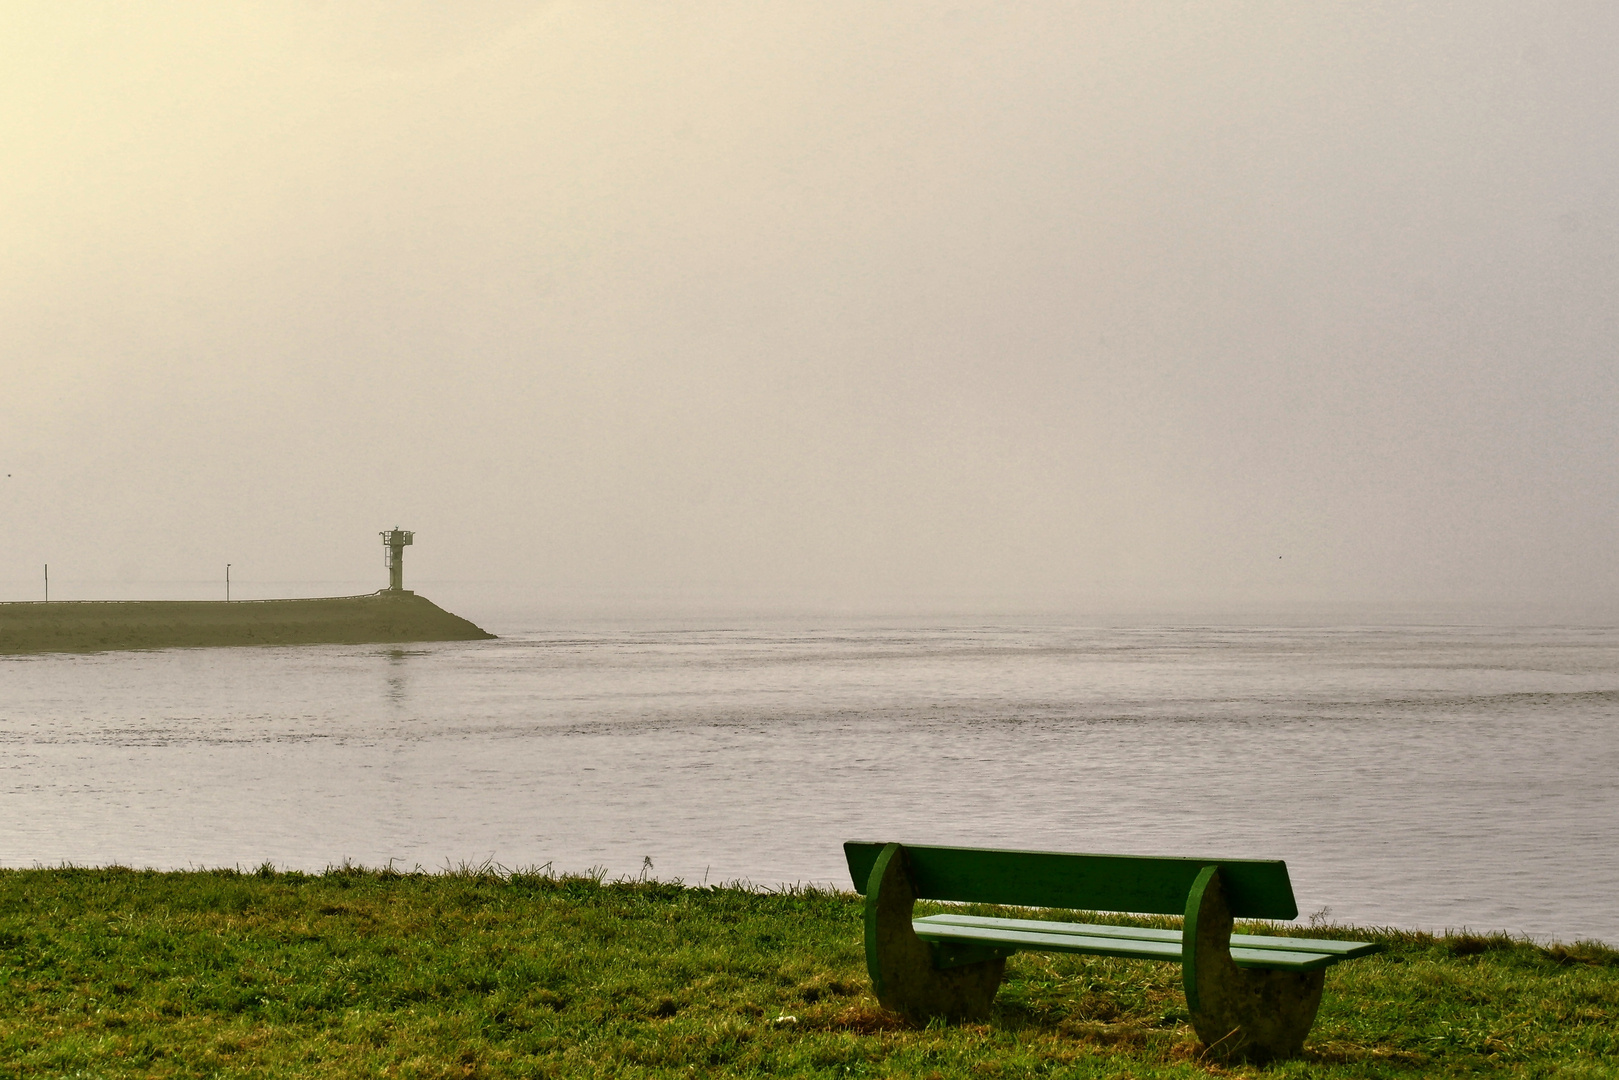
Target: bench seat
1249,996
1007,936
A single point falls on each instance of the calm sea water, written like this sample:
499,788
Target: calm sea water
1420,777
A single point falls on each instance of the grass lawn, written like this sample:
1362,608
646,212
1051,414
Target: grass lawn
113,972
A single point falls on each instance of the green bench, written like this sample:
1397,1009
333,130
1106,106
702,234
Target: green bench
1249,995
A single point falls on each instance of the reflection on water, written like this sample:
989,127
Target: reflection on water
396,677
1415,777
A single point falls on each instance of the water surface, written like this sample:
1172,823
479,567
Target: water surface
1422,777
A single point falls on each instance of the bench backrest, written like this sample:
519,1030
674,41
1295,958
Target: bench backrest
1254,888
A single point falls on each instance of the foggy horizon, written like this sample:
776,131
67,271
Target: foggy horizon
1026,308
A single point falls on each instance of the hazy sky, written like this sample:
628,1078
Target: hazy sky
1035,303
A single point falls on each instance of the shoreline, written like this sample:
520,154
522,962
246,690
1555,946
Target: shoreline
1464,938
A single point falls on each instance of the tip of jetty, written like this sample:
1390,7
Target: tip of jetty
98,625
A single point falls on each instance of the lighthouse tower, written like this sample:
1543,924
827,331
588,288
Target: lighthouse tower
393,542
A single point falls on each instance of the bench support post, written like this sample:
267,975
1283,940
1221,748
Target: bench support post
901,964
1240,1012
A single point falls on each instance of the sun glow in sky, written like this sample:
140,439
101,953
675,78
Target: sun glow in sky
1038,304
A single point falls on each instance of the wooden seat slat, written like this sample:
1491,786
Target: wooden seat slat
1112,945
1282,959
1344,950
1138,933
1034,939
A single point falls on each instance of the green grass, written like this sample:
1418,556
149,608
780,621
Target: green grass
363,973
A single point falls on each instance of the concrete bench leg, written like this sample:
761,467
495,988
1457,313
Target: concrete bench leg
1246,1013
900,963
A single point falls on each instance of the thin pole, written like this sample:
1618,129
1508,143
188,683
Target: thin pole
227,583
47,583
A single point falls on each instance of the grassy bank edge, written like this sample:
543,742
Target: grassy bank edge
525,972
1457,941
